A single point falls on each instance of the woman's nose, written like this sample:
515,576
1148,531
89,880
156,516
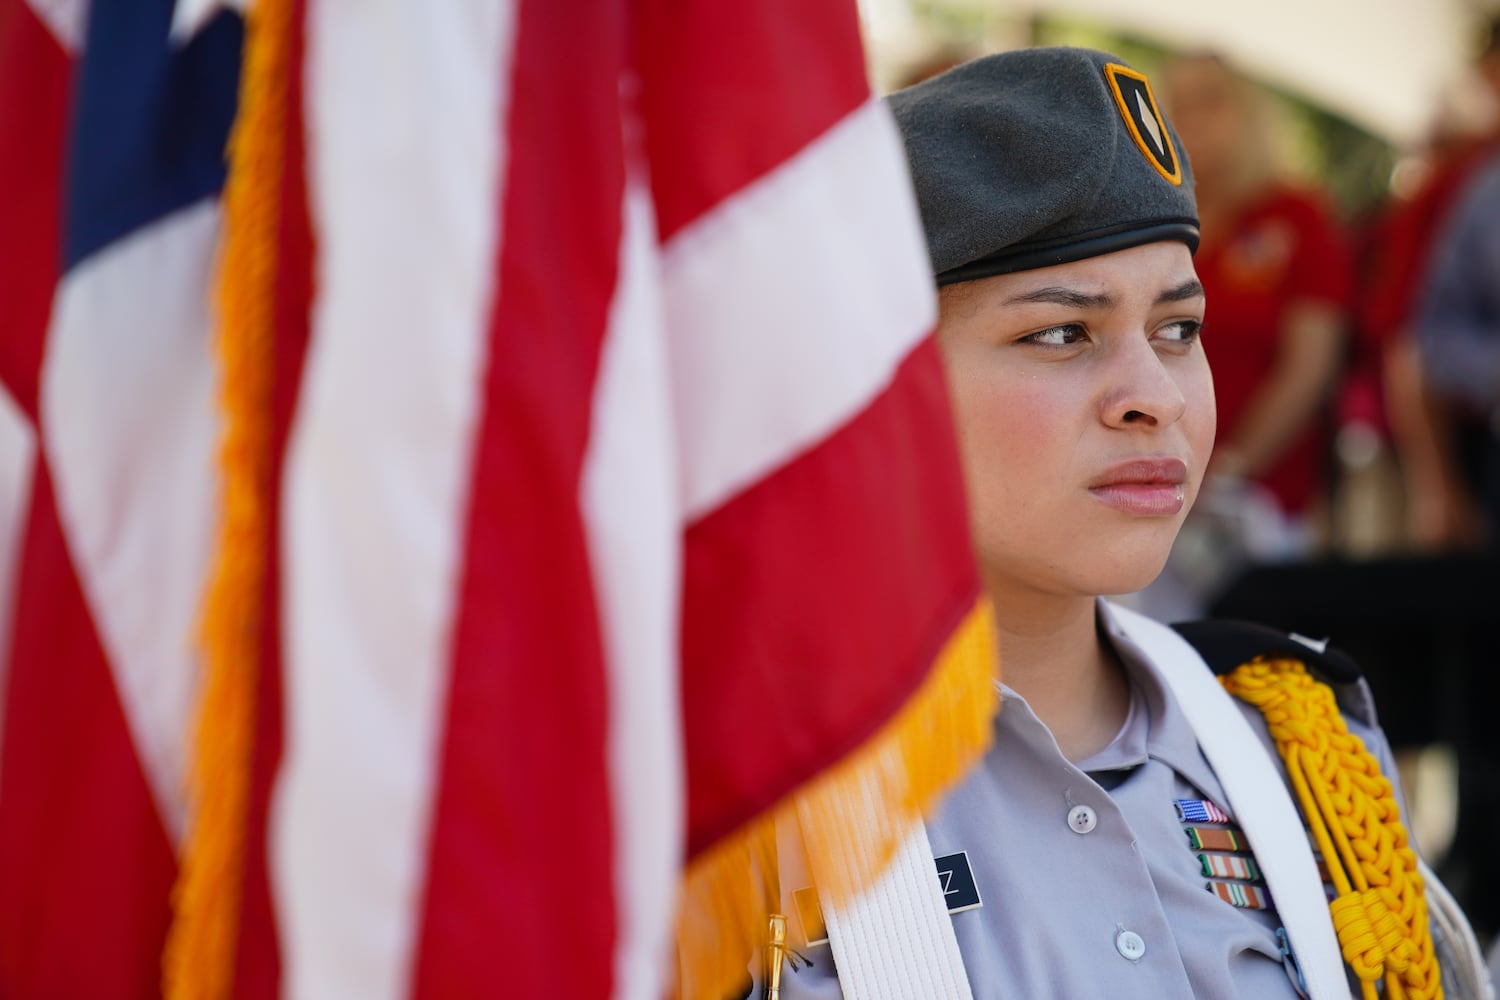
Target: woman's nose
1143,392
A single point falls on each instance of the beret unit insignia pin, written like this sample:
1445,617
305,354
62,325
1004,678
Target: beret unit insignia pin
1137,105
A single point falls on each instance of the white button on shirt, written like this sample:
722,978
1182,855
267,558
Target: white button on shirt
1130,945
1082,819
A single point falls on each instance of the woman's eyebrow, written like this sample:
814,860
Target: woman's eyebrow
1059,295
1063,297
1189,289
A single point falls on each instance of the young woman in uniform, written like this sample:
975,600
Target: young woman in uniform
1097,850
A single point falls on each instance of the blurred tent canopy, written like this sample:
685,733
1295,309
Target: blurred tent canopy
1382,64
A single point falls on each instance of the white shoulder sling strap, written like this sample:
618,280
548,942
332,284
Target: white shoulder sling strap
1258,797
896,939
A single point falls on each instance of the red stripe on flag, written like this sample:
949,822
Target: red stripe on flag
814,590
731,91
258,956
34,86
520,856
85,865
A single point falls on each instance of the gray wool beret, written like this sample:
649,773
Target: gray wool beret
1038,157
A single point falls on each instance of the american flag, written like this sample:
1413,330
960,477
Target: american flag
608,496
1199,811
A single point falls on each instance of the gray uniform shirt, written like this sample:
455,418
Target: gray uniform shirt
1080,866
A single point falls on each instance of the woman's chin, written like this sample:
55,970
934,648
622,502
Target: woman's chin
1134,571
1058,578
1083,562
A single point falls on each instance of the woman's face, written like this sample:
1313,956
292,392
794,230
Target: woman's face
1085,413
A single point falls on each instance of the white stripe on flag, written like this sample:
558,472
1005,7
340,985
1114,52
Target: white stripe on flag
629,503
129,429
17,465
834,230
378,469
190,16
66,19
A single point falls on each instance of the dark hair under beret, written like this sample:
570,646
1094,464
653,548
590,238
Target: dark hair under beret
1039,157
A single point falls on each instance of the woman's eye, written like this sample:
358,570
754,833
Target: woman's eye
1182,331
1057,336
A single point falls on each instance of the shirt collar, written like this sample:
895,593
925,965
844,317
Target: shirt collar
1170,737
1157,729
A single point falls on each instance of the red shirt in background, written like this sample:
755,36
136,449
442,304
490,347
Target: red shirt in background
1284,247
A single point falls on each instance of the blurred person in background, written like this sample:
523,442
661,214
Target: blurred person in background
1440,434
1458,334
1276,272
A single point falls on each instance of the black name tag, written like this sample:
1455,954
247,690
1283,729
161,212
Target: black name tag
957,880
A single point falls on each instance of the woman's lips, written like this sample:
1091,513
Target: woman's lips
1149,487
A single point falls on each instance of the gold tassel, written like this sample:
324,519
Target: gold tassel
1380,913
198,962
892,779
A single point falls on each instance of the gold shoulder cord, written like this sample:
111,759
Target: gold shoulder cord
1380,913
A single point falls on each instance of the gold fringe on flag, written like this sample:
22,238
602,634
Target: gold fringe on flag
198,962
875,793
1380,913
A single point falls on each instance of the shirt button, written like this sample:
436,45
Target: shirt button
1082,819
1130,945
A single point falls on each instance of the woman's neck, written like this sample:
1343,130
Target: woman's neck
1051,654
